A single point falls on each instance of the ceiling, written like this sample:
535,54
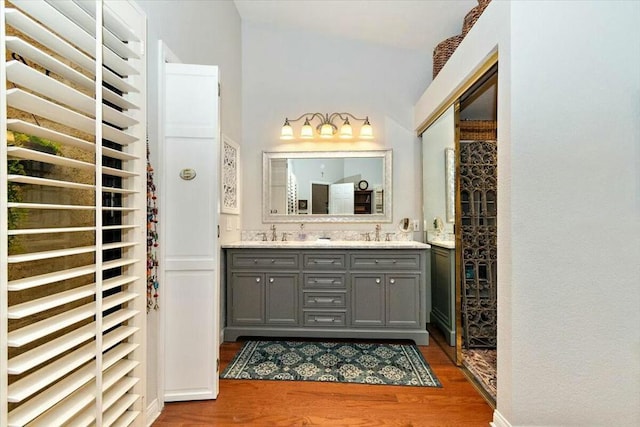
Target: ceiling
407,24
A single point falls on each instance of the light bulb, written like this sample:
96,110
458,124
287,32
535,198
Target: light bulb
326,131
366,131
287,130
307,130
346,131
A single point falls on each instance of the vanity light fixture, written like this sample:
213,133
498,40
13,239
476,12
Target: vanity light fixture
326,128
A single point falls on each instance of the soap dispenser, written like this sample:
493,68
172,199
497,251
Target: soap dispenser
301,234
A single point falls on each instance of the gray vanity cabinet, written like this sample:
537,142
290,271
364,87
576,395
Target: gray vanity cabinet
443,291
247,298
389,293
328,293
324,289
367,308
263,289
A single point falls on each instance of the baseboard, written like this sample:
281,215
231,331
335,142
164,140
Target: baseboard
499,420
153,412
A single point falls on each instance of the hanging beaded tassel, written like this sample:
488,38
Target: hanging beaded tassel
152,239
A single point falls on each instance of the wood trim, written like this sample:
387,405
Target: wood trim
454,96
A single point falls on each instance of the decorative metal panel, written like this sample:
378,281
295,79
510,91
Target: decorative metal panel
478,184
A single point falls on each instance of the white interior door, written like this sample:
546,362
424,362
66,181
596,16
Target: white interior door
341,198
190,217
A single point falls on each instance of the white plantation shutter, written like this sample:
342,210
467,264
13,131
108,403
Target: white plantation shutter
72,213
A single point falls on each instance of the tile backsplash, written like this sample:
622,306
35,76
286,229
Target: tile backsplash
253,235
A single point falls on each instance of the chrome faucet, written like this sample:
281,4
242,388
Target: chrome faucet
274,234
378,232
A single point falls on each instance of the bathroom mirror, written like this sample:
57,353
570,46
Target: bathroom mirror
327,186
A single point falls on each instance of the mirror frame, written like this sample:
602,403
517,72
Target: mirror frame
268,217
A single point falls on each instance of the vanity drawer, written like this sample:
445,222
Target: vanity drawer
325,318
324,299
324,261
385,261
325,280
264,260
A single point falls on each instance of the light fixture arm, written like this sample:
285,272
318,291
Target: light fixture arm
326,128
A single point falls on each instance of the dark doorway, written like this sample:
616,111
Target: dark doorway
319,198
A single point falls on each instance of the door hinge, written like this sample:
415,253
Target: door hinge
218,231
218,89
218,365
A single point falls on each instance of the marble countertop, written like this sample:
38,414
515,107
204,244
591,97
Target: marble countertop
321,244
448,244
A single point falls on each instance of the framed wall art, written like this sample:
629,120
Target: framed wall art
230,176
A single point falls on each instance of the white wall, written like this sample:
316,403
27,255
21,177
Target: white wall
575,176
201,33
287,73
569,206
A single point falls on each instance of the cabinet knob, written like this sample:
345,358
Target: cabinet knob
377,280
392,281
257,280
271,280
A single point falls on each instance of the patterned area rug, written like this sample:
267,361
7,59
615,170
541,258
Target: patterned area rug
348,362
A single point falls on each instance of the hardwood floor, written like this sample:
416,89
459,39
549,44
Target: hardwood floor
301,403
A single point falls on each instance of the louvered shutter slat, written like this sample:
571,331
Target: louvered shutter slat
39,305
73,391
32,53
117,390
27,231
118,190
41,378
49,206
76,410
87,22
70,31
32,358
45,279
23,179
120,334
35,256
121,155
39,33
32,129
118,281
117,299
26,154
26,101
125,419
41,329
75,84
119,409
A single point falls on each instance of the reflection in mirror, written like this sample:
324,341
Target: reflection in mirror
335,186
404,225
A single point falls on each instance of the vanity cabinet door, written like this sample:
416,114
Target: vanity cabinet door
282,298
247,299
367,300
403,300
386,300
